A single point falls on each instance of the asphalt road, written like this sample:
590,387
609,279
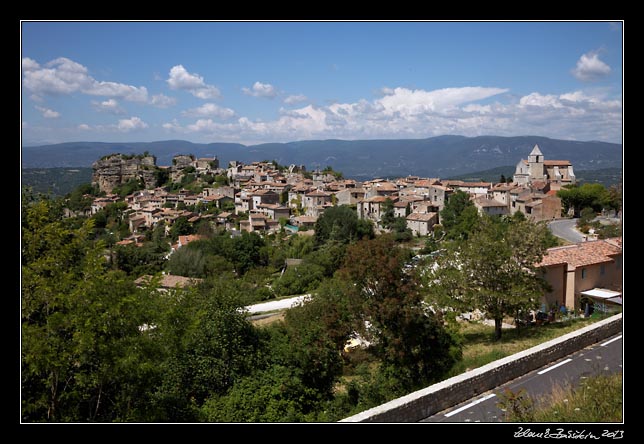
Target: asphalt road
605,356
565,229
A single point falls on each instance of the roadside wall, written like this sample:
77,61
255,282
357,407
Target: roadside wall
452,391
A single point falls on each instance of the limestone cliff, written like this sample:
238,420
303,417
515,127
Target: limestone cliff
116,169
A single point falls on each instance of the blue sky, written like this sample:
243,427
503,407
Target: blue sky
255,82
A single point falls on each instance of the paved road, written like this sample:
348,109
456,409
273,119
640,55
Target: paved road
565,229
282,304
605,356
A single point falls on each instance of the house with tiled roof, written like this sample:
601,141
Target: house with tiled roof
490,206
573,269
421,224
372,208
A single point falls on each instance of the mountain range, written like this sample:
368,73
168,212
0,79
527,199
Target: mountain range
442,156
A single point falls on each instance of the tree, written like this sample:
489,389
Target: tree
341,224
412,341
459,216
209,345
84,357
588,195
188,262
495,270
387,217
502,179
181,227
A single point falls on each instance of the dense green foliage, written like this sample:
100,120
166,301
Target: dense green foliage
494,271
595,196
341,224
459,216
55,181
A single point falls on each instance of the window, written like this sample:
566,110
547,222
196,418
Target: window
435,198
602,269
584,272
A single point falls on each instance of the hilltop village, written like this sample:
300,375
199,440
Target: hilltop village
267,198
264,196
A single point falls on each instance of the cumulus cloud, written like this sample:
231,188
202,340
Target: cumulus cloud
109,106
405,113
162,101
260,89
590,68
294,99
48,113
64,76
84,127
180,78
210,110
131,124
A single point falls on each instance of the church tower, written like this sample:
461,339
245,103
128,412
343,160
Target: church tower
535,164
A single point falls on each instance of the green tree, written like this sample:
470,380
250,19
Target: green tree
84,357
387,217
188,262
495,270
341,224
588,195
412,341
459,216
209,345
181,227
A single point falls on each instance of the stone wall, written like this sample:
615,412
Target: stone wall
435,398
116,169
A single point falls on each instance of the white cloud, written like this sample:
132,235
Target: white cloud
592,114
84,127
210,110
29,64
131,124
538,100
162,101
109,106
296,98
64,76
24,125
180,78
590,68
260,89
414,102
48,113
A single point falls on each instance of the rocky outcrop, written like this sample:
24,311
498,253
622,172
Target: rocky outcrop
116,169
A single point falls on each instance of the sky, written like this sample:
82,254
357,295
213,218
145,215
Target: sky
257,82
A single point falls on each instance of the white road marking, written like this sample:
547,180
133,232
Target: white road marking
471,404
612,340
546,370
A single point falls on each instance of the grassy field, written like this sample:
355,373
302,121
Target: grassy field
480,348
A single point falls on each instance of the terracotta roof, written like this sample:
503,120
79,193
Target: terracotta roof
477,184
382,199
584,253
484,202
170,281
184,240
422,217
556,162
317,193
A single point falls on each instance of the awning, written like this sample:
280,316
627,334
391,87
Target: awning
601,293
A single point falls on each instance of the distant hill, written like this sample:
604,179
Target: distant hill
55,181
444,156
